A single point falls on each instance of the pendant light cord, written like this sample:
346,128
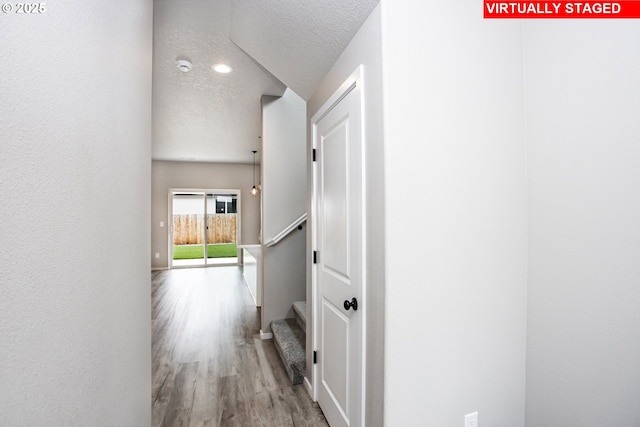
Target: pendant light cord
254,168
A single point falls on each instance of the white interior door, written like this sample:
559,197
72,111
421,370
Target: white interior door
339,272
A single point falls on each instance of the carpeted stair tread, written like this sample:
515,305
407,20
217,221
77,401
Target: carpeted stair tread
300,309
290,340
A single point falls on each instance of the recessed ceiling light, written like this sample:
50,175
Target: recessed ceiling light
222,68
184,65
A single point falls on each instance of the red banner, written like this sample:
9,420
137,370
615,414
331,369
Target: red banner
561,9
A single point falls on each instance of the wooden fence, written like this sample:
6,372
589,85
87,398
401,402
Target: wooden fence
188,229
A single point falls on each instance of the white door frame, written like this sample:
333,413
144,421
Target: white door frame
237,192
354,80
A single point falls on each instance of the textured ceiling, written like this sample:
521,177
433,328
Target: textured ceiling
297,40
272,44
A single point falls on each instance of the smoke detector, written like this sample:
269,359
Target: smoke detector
184,65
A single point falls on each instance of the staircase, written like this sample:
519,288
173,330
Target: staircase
290,339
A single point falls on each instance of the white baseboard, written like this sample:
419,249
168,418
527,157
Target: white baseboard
159,268
309,388
265,336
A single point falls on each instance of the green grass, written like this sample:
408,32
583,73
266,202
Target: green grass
220,250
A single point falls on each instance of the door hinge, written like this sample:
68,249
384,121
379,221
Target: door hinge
315,257
315,357
314,154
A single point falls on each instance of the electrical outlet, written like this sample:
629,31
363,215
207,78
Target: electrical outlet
157,255
471,420
161,223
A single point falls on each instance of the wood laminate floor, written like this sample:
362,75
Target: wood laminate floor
210,367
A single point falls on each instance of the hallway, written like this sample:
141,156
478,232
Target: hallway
210,367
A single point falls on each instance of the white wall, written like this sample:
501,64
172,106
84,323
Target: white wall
283,201
283,278
166,175
365,49
583,341
284,157
455,215
75,120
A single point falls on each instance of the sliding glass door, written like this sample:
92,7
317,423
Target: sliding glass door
222,228
204,227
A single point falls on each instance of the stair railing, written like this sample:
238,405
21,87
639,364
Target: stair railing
284,233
